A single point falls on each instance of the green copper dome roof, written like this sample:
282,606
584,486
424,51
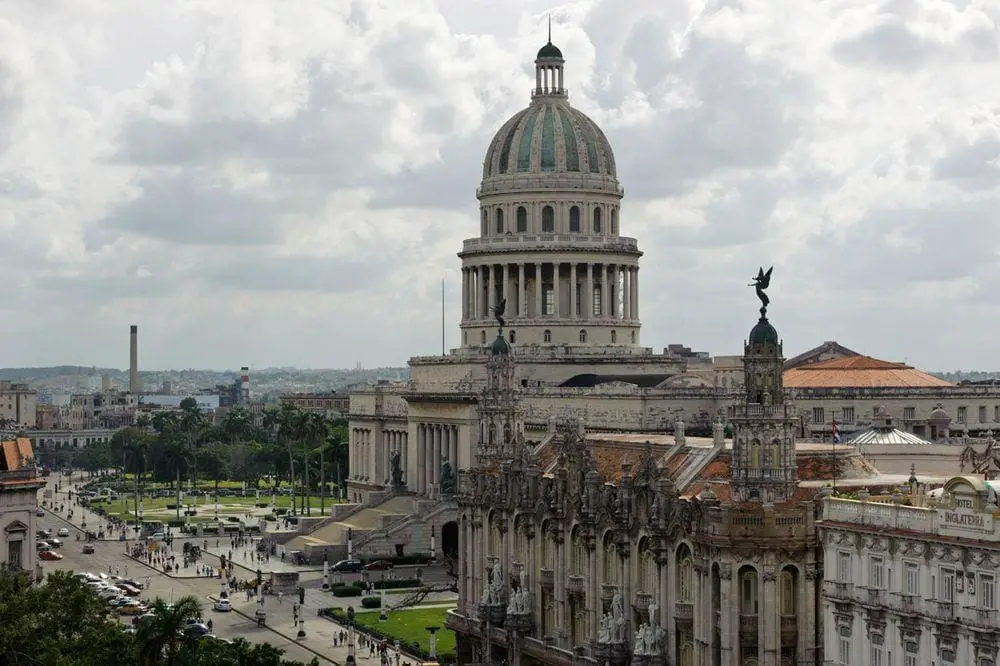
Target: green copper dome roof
763,333
550,136
550,50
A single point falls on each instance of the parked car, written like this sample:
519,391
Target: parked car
128,589
195,629
134,583
63,532
41,545
132,607
378,565
88,549
49,555
223,606
55,543
348,566
39,512
47,533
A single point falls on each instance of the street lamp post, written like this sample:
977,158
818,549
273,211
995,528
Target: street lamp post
433,642
351,661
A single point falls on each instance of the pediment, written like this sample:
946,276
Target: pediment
15,526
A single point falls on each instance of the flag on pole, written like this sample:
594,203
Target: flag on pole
836,432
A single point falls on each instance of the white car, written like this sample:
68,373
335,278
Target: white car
86,577
63,532
223,606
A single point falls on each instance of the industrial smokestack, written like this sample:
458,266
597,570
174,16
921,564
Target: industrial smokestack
244,385
133,360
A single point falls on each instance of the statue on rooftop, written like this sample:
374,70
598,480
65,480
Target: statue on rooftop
498,311
397,471
447,482
760,283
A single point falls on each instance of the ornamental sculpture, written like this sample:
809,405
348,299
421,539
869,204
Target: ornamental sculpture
612,629
760,283
447,479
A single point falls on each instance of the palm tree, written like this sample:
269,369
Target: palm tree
162,633
177,455
315,429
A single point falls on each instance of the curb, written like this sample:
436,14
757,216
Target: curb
288,638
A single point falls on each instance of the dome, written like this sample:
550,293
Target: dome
500,347
763,333
550,136
550,50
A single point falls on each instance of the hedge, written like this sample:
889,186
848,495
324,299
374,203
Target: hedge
176,523
371,602
281,511
399,560
346,591
396,584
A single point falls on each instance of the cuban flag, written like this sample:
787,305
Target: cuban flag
836,432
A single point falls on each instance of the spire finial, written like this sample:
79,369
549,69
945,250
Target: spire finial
550,28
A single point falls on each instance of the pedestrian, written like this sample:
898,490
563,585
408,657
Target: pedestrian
280,595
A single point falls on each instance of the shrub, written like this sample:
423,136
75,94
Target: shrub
262,505
175,523
396,584
346,591
171,507
270,516
281,511
232,519
371,602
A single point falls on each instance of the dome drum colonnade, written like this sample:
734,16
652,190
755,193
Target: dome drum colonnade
549,240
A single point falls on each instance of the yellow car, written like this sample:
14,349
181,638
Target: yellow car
132,607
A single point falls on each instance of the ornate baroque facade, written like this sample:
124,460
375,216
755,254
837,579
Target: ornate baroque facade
569,555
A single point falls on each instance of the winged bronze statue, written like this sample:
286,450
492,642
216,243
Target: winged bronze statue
498,311
760,283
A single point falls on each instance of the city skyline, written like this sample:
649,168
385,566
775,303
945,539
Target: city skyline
288,188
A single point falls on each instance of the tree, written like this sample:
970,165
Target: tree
160,635
212,461
60,622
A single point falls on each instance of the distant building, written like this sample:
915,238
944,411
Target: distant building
18,403
918,582
108,409
19,486
331,405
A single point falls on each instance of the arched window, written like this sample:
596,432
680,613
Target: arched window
500,228
547,336
583,336
614,221
548,220
574,219
482,337
748,591
597,220
685,580
522,219
512,337
755,454
788,591
609,561
614,337
485,224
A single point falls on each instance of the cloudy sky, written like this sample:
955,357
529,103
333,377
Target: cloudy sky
269,183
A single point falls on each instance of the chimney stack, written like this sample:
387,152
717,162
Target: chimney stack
133,367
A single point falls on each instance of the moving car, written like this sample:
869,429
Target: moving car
50,555
55,543
41,545
39,512
47,533
63,532
347,566
195,629
134,583
223,606
378,565
88,549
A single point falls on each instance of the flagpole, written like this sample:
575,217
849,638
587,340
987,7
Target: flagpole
833,452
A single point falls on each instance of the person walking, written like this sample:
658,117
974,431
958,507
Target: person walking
280,595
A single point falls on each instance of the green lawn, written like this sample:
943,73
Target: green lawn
154,506
411,625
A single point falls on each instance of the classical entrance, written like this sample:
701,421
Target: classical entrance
449,539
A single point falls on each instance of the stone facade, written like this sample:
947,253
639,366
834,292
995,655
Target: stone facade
19,486
913,584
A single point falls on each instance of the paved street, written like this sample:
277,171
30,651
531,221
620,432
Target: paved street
279,631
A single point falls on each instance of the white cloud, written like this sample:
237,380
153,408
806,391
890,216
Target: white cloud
287,183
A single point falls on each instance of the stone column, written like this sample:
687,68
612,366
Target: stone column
453,454
505,276
634,284
421,469
588,295
573,304
484,292
438,432
465,292
463,584
626,294
613,296
539,309
594,607
555,290
768,636
605,292
522,292
491,297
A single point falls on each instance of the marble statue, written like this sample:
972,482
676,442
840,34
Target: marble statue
496,585
639,646
397,470
604,629
649,636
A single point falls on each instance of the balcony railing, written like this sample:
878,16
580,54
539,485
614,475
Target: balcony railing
546,577
873,596
748,624
907,603
529,241
26,474
836,589
981,617
942,610
789,624
683,610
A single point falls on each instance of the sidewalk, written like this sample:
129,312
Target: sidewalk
319,630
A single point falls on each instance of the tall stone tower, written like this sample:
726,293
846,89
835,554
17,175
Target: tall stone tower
763,467
500,435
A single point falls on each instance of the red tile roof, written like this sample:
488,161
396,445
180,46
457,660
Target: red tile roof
859,372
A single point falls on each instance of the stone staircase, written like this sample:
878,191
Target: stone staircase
428,512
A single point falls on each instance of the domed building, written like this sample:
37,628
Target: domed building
549,245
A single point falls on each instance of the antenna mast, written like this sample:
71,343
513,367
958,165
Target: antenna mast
442,316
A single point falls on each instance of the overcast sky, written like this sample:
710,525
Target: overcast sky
268,183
